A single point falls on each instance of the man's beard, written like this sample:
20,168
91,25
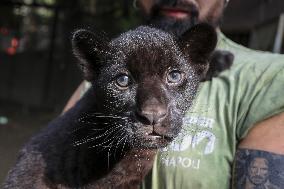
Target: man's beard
171,25
174,25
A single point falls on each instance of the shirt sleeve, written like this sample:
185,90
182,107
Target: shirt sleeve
260,92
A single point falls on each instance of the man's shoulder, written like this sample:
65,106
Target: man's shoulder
259,66
244,55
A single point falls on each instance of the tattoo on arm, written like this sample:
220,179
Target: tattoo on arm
256,169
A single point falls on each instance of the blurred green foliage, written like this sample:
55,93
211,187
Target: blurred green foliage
111,16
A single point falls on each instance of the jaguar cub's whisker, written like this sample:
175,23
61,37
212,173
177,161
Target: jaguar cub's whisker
89,138
119,139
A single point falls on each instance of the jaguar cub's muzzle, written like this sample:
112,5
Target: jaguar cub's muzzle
152,112
155,125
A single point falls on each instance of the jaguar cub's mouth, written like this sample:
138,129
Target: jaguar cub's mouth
155,138
153,135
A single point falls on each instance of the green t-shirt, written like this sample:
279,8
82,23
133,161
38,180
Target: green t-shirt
224,110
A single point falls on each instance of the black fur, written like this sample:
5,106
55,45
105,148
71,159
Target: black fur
142,84
220,61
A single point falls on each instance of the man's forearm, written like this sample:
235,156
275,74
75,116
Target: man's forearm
259,161
256,169
74,98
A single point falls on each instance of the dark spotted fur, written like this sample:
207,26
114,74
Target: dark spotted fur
109,139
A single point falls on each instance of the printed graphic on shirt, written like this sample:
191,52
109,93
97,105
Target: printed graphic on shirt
197,137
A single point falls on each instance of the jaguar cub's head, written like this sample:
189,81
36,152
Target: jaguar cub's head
144,80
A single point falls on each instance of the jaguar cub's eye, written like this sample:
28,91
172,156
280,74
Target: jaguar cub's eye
122,81
175,77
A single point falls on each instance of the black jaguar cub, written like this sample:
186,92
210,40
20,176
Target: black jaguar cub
142,84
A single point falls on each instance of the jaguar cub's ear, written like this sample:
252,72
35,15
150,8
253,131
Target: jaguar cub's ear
197,44
88,47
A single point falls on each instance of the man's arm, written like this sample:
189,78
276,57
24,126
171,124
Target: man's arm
259,161
74,98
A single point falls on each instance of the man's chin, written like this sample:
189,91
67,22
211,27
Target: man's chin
171,24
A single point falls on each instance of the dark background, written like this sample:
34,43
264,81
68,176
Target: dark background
37,69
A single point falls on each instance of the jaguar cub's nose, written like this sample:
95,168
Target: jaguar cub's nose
152,115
